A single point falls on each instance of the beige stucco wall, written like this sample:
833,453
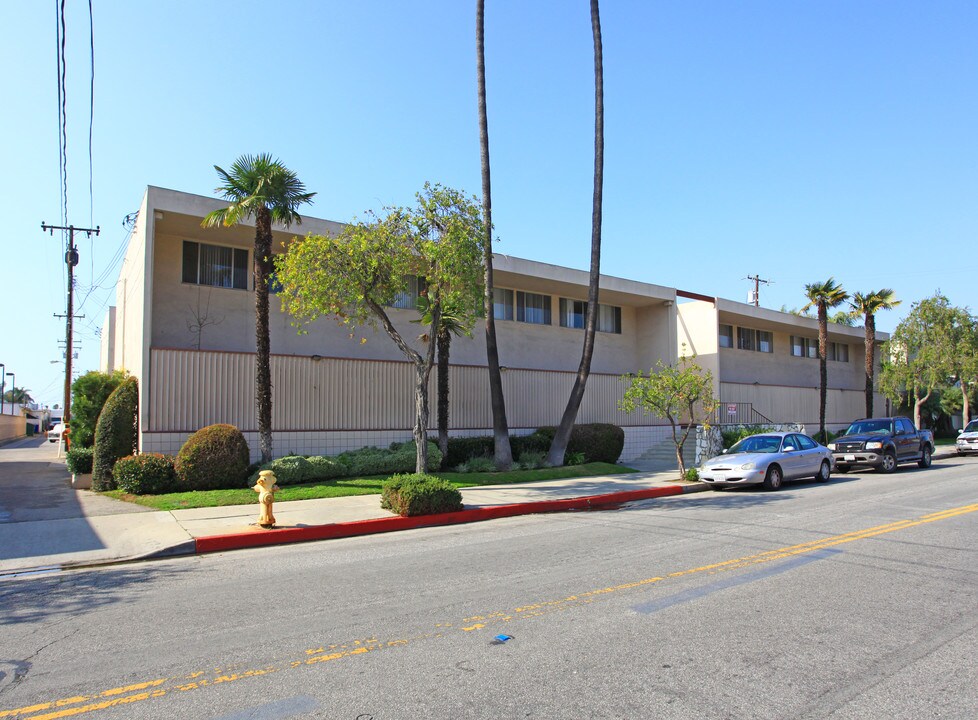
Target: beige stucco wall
696,334
12,426
107,342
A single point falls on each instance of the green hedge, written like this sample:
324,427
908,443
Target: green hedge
116,433
213,458
594,442
420,494
79,460
88,396
147,474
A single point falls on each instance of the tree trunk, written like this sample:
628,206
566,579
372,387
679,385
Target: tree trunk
500,427
263,371
823,342
559,445
918,403
421,417
870,361
444,348
965,404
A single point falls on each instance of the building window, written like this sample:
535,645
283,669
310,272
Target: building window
758,340
532,308
502,304
408,298
215,265
726,336
804,347
609,319
838,352
572,313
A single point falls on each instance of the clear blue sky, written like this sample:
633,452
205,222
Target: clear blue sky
795,140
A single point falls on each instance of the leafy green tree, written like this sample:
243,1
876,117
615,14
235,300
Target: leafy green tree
964,359
260,187
88,395
681,393
353,276
19,395
920,354
500,428
555,456
822,296
867,305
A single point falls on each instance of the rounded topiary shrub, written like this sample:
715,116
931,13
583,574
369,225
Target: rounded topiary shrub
148,474
116,433
213,458
420,494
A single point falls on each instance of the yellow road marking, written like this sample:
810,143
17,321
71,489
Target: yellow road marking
118,696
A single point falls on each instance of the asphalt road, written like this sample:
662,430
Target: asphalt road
855,599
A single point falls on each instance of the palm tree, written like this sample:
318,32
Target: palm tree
559,444
500,428
868,305
823,296
260,187
18,396
449,323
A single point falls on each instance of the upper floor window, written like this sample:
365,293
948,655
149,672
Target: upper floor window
838,352
726,336
759,340
804,347
532,308
573,314
502,304
408,298
215,265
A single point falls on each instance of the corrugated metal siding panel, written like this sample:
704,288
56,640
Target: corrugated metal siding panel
793,404
191,389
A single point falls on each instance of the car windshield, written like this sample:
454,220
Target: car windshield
758,444
972,426
870,427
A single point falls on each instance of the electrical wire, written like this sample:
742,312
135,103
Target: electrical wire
91,120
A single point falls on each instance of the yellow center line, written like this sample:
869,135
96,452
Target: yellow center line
81,704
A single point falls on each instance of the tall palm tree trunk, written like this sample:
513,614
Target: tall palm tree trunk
500,427
559,444
263,370
823,375
444,348
870,361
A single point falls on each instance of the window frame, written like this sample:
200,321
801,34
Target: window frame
547,309
238,270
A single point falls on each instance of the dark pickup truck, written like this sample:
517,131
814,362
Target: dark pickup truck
882,443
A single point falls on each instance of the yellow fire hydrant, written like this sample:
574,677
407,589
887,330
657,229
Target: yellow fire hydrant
266,487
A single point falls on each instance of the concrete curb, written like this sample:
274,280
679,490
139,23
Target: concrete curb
219,543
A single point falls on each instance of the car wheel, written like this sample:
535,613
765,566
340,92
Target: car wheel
772,481
889,463
925,458
824,472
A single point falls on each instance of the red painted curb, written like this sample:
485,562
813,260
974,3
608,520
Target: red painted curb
218,543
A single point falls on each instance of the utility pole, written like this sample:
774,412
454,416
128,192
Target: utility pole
755,296
71,259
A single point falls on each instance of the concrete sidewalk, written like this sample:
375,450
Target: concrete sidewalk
76,528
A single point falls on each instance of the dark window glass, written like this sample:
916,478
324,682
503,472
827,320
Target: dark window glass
189,261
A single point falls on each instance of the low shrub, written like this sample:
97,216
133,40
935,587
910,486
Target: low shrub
477,464
692,475
598,442
116,433
289,470
531,460
463,449
325,468
573,458
400,458
732,436
79,460
147,474
213,458
420,494
825,439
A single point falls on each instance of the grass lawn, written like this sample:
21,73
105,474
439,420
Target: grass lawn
359,486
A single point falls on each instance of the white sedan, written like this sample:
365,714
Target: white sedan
768,460
55,433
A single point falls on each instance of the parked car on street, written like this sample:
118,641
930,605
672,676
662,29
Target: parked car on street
768,460
55,433
882,443
967,441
